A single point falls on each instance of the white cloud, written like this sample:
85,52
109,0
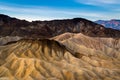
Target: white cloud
99,2
45,13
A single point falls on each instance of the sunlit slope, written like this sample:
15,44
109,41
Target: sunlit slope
86,45
50,60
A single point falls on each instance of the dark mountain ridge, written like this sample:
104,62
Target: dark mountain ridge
47,29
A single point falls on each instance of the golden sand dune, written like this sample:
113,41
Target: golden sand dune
50,60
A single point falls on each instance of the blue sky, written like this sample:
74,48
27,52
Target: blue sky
61,9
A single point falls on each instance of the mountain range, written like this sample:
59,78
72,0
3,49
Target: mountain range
46,29
69,49
114,23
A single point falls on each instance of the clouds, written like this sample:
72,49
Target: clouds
99,2
105,4
100,9
45,13
109,7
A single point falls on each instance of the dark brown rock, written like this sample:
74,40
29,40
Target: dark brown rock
46,29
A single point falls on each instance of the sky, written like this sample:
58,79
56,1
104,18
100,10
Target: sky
61,9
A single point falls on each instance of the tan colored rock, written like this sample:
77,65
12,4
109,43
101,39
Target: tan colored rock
69,59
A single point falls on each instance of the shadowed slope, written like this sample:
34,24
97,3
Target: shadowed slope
48,59
4,40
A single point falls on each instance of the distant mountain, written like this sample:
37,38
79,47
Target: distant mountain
114,24
47,29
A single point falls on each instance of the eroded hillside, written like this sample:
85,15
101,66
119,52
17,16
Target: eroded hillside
85,44
50,60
